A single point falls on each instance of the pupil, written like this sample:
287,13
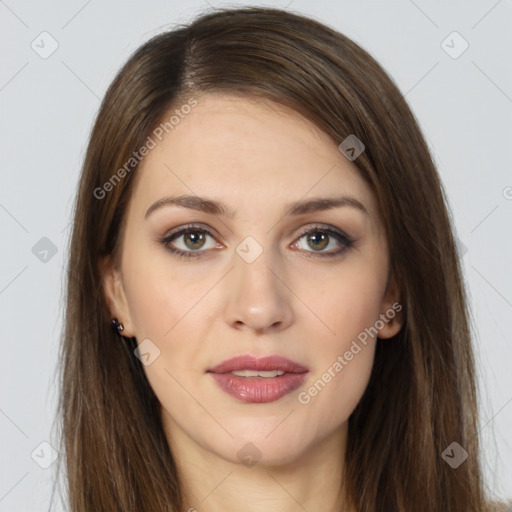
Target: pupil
322,236
199,237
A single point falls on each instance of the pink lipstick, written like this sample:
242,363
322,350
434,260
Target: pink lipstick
258,380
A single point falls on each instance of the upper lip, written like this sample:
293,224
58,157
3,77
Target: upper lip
269,363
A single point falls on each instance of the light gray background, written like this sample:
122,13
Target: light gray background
464,106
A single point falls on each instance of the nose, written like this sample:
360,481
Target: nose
258,295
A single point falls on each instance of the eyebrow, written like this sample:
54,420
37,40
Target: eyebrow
206,205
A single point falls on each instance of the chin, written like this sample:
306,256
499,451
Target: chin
277,449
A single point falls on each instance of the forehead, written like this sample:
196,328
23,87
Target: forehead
246,151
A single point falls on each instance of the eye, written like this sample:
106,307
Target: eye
194,239
317,237
320,238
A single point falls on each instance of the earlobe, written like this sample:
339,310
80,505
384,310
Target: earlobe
113,291
391,318
392,321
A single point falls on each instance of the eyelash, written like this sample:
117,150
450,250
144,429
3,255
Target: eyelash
346,241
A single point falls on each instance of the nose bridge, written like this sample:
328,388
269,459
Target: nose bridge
253,262
257,297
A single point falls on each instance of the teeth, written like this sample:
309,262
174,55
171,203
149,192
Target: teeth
254,373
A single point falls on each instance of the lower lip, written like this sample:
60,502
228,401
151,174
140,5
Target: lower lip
259,389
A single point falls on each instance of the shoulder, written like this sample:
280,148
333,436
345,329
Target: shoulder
500,507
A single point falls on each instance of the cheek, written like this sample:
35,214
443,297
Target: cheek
343,365
166,308
343,303
159,297
348,308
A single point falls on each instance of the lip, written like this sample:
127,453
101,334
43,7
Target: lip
268,363
259,389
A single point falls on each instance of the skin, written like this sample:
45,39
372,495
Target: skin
255,157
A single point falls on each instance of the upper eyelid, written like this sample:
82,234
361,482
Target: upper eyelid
180,231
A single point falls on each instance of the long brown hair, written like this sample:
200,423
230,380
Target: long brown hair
422,394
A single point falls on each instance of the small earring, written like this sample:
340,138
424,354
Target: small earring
116,326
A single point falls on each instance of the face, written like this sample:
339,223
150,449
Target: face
198,283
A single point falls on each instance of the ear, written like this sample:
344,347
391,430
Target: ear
391,311
115,297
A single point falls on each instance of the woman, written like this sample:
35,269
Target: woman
265,307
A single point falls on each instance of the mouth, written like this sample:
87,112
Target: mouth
263,380
262,365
